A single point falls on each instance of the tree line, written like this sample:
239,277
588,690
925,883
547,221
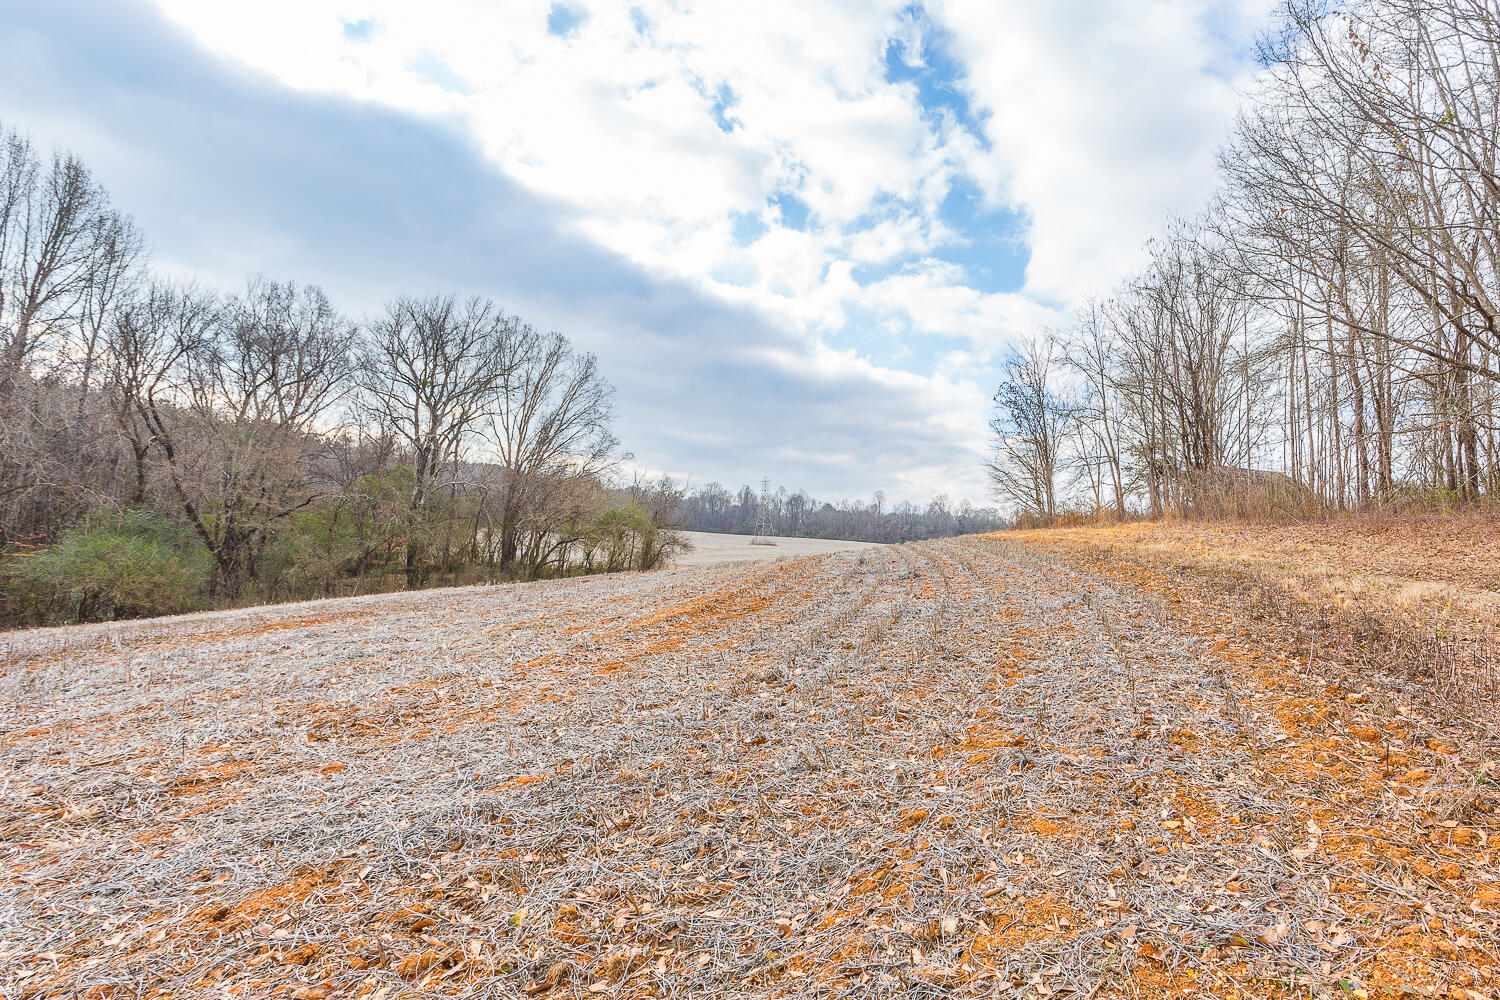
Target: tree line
167,446
745,512
1325,336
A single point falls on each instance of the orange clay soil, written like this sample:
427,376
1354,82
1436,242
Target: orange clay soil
957,768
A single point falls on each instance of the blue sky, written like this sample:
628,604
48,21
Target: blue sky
799,236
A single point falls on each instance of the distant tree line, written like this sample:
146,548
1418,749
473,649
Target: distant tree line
714,508
1327,335
166,446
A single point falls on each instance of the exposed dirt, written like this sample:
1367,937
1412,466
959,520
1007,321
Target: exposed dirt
956,768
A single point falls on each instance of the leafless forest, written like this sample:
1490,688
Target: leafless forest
167,446
714,508
1326,335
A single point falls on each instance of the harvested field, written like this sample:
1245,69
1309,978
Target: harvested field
712,547
956,768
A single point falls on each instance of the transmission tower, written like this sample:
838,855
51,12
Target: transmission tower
764,526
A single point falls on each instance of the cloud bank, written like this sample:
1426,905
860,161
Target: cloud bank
798,235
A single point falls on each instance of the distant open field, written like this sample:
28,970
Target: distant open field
710,548
957,768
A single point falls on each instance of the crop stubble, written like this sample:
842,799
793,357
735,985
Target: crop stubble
954,768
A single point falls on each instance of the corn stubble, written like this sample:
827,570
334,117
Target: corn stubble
955,768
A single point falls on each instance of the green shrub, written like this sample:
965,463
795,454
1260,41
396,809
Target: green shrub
127,565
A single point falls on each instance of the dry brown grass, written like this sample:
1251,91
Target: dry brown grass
1417,595
959,768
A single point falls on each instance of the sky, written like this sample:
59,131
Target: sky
800,236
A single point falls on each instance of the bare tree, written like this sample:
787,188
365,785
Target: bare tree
149,339
58,238
238,423
550,426
1030,427
659,537
433,369
50,230
113,274
1091,353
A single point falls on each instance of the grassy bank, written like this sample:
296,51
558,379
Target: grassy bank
1415,598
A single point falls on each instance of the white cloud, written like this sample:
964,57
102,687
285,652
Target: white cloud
1103,118
1096,121
933,296
619,123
